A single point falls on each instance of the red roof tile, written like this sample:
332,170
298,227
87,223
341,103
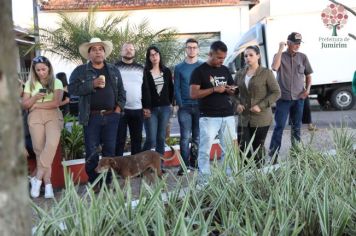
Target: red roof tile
75,5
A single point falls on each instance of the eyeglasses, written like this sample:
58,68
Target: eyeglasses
40,59
192,48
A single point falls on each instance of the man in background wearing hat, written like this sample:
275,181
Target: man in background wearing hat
102,98
294,78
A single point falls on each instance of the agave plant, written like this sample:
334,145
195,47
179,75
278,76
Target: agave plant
73,31
310,194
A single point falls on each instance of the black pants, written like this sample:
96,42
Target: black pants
307,119
134,120
245,134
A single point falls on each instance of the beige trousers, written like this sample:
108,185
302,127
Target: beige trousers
45,129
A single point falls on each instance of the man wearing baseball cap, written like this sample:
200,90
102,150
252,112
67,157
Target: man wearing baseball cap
294,78
102,98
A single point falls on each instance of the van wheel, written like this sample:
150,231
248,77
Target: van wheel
342,98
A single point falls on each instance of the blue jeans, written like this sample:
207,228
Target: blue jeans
155,128
134,120
101,130
188,118
295,110
225,128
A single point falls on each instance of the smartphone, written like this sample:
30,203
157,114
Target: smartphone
43,90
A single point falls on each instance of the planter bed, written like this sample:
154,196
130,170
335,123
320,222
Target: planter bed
77,167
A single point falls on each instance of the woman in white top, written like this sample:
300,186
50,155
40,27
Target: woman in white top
42,97
258,91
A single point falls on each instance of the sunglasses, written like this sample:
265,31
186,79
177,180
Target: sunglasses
40,59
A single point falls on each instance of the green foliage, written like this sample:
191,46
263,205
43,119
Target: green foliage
312,193
171,141
73,31
343,139
72,139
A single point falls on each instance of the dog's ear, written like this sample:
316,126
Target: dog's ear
112,163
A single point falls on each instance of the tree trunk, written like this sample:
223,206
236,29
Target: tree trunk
15,214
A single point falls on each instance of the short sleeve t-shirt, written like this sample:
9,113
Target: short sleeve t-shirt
291,74
103,98
215,104
49,97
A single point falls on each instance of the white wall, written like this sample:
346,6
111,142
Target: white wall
231,22
22,13
274,8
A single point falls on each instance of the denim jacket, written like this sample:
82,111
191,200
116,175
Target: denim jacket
81,84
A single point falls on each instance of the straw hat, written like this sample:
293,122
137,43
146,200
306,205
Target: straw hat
84,47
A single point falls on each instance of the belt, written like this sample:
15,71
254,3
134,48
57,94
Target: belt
101,112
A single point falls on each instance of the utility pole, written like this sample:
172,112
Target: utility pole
35,24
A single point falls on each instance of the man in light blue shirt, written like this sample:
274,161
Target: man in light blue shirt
188,113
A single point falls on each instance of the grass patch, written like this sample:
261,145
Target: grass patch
312,193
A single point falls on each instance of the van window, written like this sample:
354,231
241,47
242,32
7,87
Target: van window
239,61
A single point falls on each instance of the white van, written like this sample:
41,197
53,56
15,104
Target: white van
333,58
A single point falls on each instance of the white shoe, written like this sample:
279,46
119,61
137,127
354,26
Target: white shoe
48,191
35,187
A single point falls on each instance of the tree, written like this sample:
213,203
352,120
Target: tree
72,31
347,9
15,215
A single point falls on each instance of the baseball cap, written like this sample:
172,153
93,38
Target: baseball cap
295,37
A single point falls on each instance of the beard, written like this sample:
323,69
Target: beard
128,57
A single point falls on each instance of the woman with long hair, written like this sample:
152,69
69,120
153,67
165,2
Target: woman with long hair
258,91
157,99
64,106
42,97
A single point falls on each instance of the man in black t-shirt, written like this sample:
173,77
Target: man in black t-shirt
102,98
211,83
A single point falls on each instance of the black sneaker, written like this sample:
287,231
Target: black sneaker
192,168
181,171
193,164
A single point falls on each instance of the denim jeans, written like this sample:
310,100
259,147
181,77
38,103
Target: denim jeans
225,128
134,120
101,130
188,118
295,110
155,128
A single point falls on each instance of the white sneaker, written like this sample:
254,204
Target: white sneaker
35,187
48,191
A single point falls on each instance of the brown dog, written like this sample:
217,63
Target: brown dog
134,165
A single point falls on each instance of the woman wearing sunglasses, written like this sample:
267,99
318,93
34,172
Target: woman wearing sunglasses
42,97
258,91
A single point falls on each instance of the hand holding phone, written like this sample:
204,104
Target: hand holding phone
41,94
43,90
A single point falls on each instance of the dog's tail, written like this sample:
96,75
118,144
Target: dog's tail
174,153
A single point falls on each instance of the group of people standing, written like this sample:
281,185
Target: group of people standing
114,97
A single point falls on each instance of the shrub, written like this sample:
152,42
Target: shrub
312,193
72,139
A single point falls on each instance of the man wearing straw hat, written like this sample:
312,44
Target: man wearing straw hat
102,98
